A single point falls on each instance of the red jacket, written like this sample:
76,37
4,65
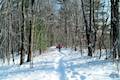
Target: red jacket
59,46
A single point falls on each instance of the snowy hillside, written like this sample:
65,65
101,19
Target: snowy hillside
64,65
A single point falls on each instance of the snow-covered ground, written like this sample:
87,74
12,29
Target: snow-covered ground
64,65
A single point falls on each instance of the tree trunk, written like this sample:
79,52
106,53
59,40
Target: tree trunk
114,25
87,31
22,35
31,33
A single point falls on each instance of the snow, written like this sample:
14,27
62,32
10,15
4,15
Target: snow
65,65
35,76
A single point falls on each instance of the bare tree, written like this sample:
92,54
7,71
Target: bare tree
22,34
114,25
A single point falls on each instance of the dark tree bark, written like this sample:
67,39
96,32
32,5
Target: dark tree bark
90,31
87,30
29,50
22,34
94,26
30,35
114,25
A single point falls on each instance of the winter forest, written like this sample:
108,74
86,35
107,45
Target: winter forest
59,40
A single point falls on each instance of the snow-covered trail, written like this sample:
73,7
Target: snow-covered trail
64,65
73,66
48,65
